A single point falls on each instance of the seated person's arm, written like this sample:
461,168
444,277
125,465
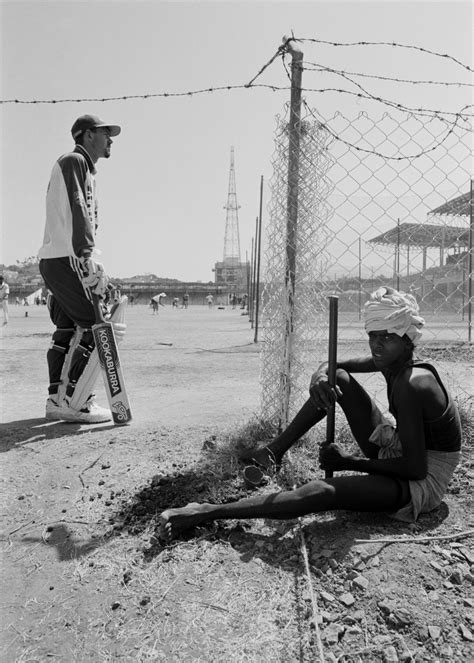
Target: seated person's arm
413,462
321,393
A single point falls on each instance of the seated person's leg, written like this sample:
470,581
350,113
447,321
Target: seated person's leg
270,456
361,412
357,493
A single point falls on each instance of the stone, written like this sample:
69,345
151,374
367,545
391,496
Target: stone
433,596
402,616
466,633
446,652
327,597
456,577
347,599
332,633
390,654
434,632
361,582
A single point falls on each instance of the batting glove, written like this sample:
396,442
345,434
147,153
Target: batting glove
94,276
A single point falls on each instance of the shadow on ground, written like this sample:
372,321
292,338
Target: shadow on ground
31,431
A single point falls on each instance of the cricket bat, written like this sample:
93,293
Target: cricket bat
109,359
332,366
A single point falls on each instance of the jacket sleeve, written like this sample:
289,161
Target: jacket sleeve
81,197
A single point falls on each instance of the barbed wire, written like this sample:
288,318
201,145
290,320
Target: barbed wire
380,154
325,69
126,97
400,107
280,52
274,88
387,43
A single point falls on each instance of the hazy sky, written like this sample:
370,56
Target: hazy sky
163,191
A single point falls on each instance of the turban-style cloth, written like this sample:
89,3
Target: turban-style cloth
397,312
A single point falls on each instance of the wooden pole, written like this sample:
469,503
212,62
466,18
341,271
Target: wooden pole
294,135
469,269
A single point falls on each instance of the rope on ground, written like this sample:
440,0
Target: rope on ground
421,539
304,552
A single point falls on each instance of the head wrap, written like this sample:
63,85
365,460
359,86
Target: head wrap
397,312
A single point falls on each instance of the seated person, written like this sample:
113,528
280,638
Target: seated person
406,468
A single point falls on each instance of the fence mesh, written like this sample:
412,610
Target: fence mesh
382,201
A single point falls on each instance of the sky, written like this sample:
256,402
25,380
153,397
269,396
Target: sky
163,192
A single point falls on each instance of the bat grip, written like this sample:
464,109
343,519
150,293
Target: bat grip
99,316
332,366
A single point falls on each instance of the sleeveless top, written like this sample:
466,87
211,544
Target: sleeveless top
443,433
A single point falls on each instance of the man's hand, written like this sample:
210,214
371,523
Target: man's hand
94,276
320,393
333,457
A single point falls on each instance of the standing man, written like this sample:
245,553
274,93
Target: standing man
70,271
4,292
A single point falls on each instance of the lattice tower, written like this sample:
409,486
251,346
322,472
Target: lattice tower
231,238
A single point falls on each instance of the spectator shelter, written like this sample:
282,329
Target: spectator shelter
433,234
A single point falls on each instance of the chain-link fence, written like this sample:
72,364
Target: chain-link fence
382,201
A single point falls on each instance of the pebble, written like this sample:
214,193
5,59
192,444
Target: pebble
332,633
434,632
446,652
433,596
347,599
361,582
326,596
466,633
390,654
456,577
403,616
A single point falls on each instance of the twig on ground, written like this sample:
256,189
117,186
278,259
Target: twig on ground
88,468
20,527
420,539
304,552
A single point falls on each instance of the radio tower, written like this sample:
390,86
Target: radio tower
231,238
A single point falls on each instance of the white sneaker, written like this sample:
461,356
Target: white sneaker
52,409
91,413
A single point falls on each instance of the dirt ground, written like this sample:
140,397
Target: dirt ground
85,577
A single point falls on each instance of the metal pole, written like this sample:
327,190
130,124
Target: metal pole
360,278
247,274
259,248
294,134
469,283
398,254
252,283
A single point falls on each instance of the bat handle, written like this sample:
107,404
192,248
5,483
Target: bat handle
99,316
332,366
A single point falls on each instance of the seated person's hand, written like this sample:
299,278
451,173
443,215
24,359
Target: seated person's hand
333,457
321,394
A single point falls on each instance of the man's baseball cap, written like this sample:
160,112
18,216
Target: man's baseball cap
92,122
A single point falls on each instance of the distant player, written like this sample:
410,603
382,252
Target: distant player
156,302
70,271
4,293
405,469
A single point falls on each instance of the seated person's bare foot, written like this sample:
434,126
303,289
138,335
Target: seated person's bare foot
174,521
264,458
